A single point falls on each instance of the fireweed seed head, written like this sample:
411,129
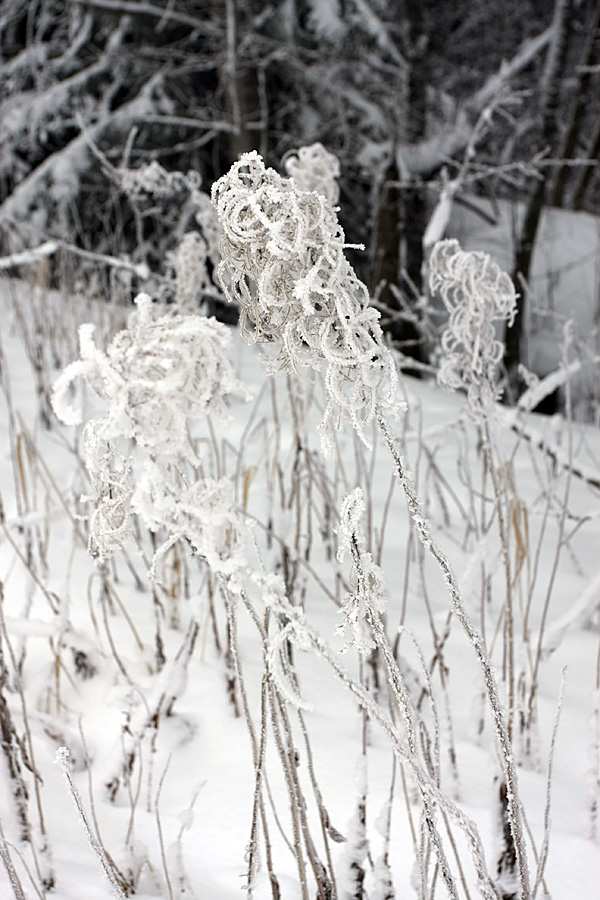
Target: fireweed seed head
313,168
477,294
283,252
154,378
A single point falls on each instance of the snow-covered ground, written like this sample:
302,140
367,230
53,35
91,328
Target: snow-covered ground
168,787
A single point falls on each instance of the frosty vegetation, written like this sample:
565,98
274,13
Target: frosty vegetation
283,251
162,488
477,295
155,379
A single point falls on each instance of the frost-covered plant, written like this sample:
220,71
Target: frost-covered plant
283,250
111,478
191,274
154,181
477,294
368,590
154,379
313,168
174,200
205,514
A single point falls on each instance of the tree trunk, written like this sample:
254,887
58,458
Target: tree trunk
584,91
241,82
401,213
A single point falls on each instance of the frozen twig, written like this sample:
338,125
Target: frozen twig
62,758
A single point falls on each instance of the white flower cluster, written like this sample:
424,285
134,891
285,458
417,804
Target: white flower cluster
368,594
477,294
283,250
154,379
313,168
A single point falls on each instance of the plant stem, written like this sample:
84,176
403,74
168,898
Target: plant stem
508,763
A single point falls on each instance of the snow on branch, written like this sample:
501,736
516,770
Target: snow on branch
55,182
28,257
432,153
49,248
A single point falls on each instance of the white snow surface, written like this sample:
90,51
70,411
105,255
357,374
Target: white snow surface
192,780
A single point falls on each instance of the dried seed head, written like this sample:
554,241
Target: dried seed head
283,253
477,294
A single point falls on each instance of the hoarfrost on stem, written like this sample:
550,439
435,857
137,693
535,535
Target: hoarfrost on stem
367,597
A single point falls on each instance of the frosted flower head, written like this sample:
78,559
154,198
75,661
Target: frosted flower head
283,252
313,168
154,378
477,294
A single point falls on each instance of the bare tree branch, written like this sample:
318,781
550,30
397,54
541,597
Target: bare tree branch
427,156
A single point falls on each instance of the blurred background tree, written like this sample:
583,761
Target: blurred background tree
418,99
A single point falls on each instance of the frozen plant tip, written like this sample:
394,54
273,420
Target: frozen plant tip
477,294
283,253
313,168
63,760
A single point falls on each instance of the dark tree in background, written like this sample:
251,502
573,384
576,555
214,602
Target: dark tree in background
411,95
566,120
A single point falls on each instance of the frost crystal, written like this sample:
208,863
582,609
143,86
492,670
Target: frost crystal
112,485
283,250
205,514
313,168
476,293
